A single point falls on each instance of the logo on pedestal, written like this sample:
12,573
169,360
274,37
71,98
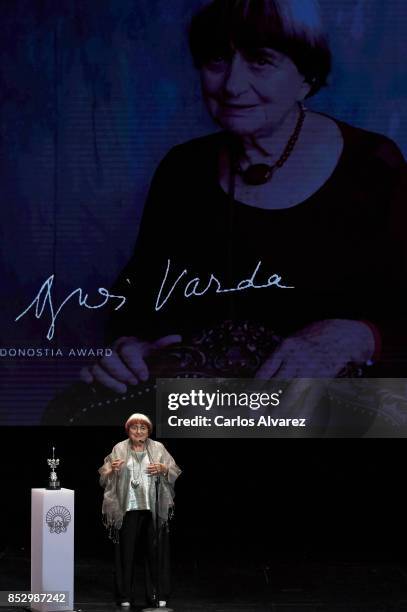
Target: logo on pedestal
58,519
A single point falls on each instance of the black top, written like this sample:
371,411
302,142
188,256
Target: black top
343,248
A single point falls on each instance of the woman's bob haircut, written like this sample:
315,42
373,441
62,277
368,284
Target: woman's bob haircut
292,27
141,418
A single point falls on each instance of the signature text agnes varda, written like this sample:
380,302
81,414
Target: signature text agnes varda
43,302
193,288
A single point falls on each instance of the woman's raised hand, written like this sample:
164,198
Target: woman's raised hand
117,464
154,469
320,350
126,365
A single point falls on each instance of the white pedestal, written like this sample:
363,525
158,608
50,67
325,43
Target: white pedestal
52,545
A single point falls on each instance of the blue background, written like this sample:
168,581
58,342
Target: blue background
92,94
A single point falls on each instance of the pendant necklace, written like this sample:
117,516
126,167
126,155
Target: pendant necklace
259,174
136,482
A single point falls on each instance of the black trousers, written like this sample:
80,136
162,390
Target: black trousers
135,552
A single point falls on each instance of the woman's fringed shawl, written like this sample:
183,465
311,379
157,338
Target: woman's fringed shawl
117,484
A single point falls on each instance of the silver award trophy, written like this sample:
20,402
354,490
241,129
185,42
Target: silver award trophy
53,482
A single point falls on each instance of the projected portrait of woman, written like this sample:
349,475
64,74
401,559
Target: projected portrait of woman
285,223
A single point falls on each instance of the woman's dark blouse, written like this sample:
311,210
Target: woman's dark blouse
343,249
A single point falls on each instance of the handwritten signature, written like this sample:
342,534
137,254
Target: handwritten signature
192,287
43,301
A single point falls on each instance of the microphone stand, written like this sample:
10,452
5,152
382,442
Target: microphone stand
157,556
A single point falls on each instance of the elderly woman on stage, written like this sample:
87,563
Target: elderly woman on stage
287,218
138,473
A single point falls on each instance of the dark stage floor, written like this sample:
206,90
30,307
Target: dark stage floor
212,585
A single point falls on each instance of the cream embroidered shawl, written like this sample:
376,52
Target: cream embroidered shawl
116,485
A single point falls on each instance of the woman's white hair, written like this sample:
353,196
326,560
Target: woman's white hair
293,27
138,416
301,17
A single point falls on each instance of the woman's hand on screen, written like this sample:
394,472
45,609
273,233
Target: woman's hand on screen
126,365
320,350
